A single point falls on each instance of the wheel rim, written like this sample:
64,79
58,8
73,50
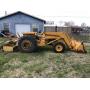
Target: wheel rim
26,44
59,48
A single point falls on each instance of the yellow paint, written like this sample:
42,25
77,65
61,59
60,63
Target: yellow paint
7,48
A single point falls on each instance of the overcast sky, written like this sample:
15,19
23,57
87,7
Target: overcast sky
57,10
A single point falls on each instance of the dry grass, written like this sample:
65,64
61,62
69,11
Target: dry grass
45,63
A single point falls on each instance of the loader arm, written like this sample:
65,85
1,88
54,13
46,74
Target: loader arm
70,42
58,36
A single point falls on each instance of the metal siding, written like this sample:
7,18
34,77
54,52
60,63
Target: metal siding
20,19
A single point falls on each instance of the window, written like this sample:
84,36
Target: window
35,28
6,26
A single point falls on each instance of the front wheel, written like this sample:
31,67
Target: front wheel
59,47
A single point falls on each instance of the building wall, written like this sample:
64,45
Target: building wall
20,19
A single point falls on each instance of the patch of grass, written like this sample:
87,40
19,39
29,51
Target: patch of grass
37,68
82,69
23,57
58,60
88,49
57,74
3,60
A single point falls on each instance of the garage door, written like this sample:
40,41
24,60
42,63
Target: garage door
21,28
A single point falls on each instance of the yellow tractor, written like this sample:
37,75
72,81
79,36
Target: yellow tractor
60,41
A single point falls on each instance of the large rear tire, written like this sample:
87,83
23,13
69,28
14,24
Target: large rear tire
59,47
27,44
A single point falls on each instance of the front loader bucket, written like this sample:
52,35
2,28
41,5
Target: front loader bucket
78,46
81,48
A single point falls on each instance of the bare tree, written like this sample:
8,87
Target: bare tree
61,23
50,23
83,24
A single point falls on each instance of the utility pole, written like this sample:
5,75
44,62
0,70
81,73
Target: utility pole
5,13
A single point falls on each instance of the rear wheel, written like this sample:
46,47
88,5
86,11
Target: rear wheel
27,44
59,47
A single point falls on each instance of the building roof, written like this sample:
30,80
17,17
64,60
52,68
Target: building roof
19,12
